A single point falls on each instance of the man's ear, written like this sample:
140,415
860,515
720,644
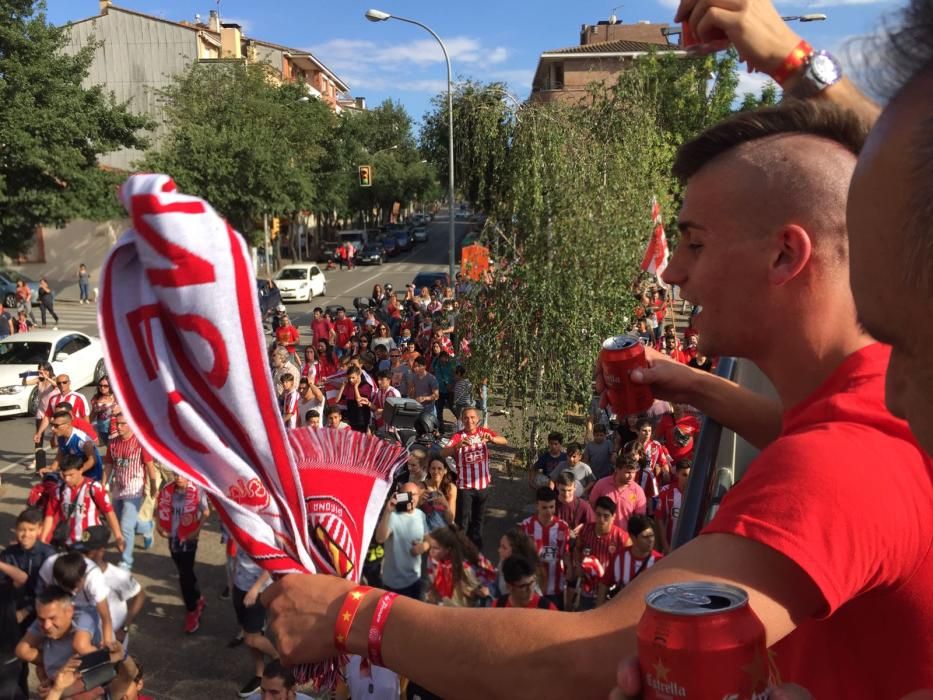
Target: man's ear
791,251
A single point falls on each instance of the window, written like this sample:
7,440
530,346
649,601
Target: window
293,273
557,76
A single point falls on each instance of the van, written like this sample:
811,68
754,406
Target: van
358,238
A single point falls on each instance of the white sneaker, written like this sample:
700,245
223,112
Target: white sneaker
54,328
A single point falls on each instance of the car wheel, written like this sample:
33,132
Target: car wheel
99,371
32,406
9,301
324,291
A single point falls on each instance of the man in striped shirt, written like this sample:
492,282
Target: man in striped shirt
602,540
64,393
80,502
631,561
551,536
132,469
669,503
469,449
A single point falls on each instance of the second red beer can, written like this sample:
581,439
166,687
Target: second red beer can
701,640
619,356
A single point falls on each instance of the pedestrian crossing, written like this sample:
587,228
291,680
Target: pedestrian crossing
73,316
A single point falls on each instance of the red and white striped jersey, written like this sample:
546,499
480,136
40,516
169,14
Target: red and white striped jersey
604,547
82,506
552,543
126,459
472,457
78,403
625,566
669,503
379,400
656,454
289,406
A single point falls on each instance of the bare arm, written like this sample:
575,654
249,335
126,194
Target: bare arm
28,648
106,626
531,644
17,575
134,606
382,529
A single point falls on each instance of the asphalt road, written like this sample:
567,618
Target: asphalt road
177,666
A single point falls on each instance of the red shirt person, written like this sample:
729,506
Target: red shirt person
599,542
344,328
631,561
669,503
469,447
78,503
322,330
676,431
552,540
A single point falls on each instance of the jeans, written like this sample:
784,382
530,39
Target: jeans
46,304
471,510
412,591
84,288
127,512
184,562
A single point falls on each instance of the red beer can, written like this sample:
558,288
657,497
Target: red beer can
701,640
619,356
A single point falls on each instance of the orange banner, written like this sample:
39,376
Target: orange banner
474,261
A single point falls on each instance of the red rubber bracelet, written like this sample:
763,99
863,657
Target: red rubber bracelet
376,630
351,604
795,59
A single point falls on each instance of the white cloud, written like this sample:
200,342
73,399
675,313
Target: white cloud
670,4
751,82
836,3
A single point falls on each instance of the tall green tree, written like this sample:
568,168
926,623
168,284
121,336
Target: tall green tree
52,130
247,144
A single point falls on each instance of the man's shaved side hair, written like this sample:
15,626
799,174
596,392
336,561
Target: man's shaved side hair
802,154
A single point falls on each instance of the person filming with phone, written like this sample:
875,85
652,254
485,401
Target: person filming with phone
403,530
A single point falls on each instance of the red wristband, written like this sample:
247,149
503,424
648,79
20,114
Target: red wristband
376,630
795,59
351,604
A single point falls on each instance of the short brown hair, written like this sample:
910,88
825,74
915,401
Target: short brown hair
809,117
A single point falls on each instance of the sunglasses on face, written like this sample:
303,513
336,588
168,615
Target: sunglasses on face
62,383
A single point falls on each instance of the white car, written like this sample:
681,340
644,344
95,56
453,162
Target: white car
300,282
78,355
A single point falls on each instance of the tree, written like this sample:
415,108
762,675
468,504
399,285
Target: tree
767,97
245,143
571,220
52,130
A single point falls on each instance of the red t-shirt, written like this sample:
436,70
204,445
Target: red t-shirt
287,336
344,328
846,494
321,328
678,436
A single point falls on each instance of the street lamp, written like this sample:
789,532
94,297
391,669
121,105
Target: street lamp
380,16
815,17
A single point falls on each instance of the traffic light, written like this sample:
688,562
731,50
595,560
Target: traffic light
366,176
274,228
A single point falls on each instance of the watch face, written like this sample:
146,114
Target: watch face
824,69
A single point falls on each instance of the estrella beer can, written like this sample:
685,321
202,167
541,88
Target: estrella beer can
701,640
619,356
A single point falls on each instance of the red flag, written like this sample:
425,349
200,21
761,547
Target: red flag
657,253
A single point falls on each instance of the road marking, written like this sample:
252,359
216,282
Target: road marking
21,463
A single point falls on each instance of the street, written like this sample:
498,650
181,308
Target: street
200,665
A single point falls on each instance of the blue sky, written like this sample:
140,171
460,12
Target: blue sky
487,39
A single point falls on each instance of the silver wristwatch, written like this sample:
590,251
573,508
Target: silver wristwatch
820,71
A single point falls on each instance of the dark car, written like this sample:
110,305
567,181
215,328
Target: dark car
328,251
269,296
404,239
371,254
8,280
390,246
420,233
430,280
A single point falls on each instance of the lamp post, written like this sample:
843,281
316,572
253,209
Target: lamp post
380,16
815,17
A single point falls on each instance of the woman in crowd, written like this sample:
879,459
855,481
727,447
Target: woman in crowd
328,363
24,299
439,500
384,337
310,367
101,409
44,379
47,302
378,296
84,283
514,541
456,571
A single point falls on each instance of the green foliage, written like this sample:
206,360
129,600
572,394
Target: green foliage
52,130
246,144
568,191
767,97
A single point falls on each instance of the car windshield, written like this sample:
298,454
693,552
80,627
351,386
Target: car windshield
13,276
24,353
294,273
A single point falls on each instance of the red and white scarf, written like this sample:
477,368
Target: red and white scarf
185,349
188,524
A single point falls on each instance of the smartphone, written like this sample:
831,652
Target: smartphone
93,660
402,500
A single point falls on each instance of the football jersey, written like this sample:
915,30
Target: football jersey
472,458
82,507
552,542
669,504
625,566
603,547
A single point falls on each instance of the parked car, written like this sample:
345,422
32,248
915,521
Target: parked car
371,254
269,296
430,279
328,252
420,234
404,240
78,355
8,280
301,282
390,246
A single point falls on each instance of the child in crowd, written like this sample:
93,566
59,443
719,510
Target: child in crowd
598,452
181,510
